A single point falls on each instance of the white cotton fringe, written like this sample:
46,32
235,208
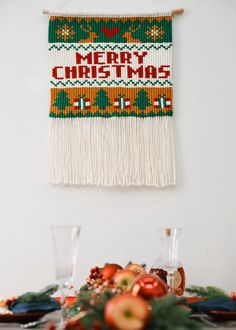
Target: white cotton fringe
112,152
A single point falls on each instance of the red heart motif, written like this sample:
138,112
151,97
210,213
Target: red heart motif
110,32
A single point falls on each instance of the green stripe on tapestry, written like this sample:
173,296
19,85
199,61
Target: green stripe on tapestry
63,29
106,114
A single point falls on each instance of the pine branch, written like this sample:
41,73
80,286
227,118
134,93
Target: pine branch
50,289
33,297
168,314
41,296
207,293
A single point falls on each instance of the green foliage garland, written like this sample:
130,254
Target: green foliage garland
168,313
208,293
41,296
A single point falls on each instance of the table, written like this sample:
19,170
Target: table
55,317
16,327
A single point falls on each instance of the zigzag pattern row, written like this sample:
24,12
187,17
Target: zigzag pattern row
105,47
110,83
109,115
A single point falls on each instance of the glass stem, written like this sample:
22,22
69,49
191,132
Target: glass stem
170,278
64,308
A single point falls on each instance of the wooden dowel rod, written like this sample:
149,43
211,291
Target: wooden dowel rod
175,12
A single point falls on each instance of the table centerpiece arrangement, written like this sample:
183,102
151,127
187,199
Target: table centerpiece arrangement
131,298
128,298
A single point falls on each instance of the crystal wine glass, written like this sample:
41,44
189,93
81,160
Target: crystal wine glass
169,259
65,242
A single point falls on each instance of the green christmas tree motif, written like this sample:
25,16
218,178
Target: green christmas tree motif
141,101
62,101
102,100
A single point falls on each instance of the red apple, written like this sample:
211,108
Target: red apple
51,326
233,295
109,270
75,322
138,269
124,279
126,312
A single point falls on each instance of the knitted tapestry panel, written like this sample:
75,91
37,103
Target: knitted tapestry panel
111,100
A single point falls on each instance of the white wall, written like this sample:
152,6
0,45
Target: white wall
120,224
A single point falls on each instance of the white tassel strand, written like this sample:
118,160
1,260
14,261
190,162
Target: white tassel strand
116,151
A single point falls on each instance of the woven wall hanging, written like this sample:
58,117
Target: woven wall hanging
111,100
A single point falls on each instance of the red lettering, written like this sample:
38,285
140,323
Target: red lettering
80,58
125,57
164,71
104,71
97,56
118,70
83,71
151,72
93,71
112,57
55,72
140,56
70,72
131,72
